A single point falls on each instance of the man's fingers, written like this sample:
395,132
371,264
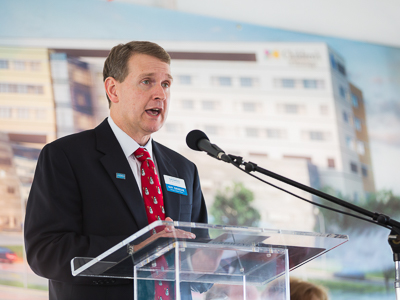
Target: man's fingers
178,233
169,228
170,231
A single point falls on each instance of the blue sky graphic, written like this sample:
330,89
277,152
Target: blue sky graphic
375,69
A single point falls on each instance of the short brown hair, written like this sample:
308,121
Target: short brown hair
116,64
302,290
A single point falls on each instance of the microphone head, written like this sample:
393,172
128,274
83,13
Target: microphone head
194,137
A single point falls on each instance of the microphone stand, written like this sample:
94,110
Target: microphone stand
380,219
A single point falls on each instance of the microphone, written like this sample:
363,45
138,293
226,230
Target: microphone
197,140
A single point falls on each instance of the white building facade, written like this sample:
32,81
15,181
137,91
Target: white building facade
272,100
284,106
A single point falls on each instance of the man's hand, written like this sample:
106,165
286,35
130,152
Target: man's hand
168,231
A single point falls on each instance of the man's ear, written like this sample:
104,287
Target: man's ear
110,85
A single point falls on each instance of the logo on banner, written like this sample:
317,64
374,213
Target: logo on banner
304,57
272,54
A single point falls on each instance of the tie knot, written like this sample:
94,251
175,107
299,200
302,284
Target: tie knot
142,154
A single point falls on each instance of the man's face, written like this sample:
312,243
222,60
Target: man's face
141,101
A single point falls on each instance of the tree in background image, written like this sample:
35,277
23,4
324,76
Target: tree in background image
232,206
383,201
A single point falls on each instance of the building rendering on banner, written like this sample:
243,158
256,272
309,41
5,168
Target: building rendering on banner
72,94
361,142
288,105
26,96
27,123
289,101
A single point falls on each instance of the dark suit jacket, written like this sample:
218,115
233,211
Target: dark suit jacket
77,207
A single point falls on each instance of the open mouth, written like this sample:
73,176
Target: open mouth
154,111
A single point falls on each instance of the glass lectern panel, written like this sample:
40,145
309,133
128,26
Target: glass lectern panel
218,262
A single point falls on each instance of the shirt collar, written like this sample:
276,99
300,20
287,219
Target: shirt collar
128,144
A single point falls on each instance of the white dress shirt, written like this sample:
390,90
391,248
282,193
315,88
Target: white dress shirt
129,146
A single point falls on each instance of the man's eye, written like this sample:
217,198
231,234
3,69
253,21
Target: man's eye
166,84
146,81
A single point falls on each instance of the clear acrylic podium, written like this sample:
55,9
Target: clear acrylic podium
222,262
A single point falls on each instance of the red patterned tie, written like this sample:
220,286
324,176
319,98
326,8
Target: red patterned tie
154,203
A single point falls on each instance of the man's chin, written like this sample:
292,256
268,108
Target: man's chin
153,129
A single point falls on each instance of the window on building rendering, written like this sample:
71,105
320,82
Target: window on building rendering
317,135
355,197
23,113
10,189
354,100
342,92
19,65
246,81
5,112
313,84
324,110
40,114
208,105
35,89
4,64
171,127
80,99
81,76
36,65
341,69
188,104
297,157
364,171
291,108
331,163
333,61
5,161
360,147
288,83
211,129
59,70
222,81
252,132
22,88
3,88
185,79
276,133
357,124
249,106
13,88
349,142
353,167
345,117
310,84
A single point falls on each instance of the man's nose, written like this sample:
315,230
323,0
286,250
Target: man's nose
160,92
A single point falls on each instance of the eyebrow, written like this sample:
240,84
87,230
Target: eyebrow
152,74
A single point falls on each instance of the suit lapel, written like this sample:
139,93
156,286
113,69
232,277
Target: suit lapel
165,167
115,162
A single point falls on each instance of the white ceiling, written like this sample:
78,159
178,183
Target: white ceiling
375,21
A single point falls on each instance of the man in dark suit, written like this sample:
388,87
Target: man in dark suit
86,195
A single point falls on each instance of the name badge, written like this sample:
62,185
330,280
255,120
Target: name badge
120,176
175,185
